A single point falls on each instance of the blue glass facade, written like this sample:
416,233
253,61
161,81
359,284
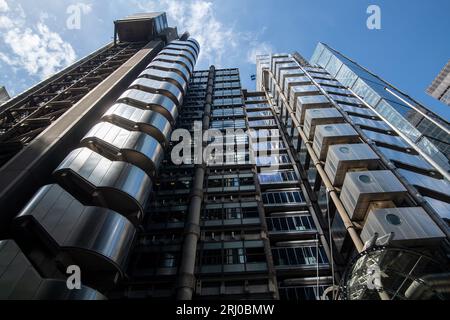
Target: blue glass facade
392,104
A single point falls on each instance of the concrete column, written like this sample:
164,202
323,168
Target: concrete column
186,273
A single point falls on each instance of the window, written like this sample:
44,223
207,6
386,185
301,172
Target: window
299,256
283,197
291,224
277,177
262,123
224,124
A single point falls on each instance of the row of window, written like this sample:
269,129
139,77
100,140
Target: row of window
228,112
233,256
301,256
290,223
212,213
224,124
229,182
277,177
228,101
283,197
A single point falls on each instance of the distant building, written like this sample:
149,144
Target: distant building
440,88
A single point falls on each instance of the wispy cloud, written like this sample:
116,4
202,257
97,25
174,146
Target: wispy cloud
198,18
35,48
258,48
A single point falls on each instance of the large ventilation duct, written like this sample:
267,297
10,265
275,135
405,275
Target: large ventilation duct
95,239
90,218
19,280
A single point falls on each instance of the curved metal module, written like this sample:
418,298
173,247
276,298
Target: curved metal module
96,180
170,66
190,43
183,48
176,59
180,53
95,239
159,87
135,119
151,101
90,217
168,76
118,144
19,280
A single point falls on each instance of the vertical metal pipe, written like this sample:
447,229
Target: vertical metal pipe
186,273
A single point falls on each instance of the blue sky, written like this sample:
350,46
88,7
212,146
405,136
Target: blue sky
409,50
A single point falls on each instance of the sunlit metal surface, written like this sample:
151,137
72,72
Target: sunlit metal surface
151,101
183,48
96,239
184,53
135,119
118,144
168,66
168,76
159,87
185,63
96,180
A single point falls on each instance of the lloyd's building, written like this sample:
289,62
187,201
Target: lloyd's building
339,190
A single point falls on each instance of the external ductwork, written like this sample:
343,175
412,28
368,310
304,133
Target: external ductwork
118,144
19,280
150,101
95,239
90,218
98,181
134,119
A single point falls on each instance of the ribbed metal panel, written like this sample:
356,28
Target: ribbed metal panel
118,144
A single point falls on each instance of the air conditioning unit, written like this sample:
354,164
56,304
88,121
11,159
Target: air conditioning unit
315,117
293,82
331,134
360,189
305,103
410,227
342,158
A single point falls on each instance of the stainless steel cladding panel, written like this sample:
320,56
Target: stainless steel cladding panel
168,76
360,189
410,227
159,87
331,134
151,101
174,52
19,280
349,157
167,66
185,63
315,117
96,239
189,43
96,180
118,144
135,119
182,48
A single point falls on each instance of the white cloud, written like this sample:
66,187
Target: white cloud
258,48
198,18
36,49
4,6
